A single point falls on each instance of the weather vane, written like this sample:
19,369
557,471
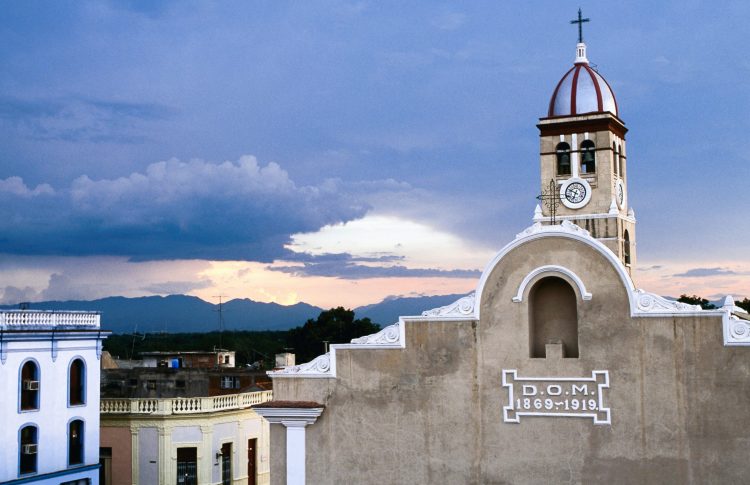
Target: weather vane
551,200
580,22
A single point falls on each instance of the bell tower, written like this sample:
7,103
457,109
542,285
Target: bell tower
583,152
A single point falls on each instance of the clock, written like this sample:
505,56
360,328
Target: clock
575,193
620,194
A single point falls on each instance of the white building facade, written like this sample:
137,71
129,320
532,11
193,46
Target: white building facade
49,411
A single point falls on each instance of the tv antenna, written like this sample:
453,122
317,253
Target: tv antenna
221,319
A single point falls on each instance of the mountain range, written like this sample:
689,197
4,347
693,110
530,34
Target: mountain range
183,313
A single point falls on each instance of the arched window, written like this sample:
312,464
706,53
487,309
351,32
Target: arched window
553,316
27,449
615,163
619,160
75,442
77,383
626,247
29,384
588,156
563,158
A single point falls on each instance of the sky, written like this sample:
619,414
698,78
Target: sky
339,153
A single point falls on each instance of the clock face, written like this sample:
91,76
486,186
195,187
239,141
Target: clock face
575,193
620,193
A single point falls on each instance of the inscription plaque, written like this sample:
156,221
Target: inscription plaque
572,397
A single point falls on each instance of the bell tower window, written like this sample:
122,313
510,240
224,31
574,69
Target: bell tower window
553,317
626,247
588,156
563,158
619,160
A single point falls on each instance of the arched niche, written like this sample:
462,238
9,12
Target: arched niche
553,317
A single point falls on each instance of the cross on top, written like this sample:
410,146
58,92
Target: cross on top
580,22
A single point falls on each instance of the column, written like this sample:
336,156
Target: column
295,451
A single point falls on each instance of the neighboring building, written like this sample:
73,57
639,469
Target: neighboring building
184,425
556,370
158,382
49,410
190,359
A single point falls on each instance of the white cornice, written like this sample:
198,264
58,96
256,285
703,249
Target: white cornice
290,416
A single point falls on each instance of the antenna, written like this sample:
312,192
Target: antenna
221,319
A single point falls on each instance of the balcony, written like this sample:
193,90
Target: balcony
183,405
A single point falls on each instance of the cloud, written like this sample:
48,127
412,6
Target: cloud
76,119
177,287
352,271
12,295
703,272
175,210
15,186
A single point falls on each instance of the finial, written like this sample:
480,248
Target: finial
580,22
538,214
580,47
613,208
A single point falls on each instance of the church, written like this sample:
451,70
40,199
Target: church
556,369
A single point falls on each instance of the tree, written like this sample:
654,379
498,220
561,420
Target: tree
697,300
336,325
744,304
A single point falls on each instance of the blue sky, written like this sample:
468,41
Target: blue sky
201,147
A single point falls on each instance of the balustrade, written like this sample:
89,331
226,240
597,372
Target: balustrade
182,405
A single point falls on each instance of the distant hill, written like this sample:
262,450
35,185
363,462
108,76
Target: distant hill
182,313
387,311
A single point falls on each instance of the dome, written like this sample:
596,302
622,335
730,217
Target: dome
582,90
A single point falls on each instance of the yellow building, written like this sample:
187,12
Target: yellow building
186,441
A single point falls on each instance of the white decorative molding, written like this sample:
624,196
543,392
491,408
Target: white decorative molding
735,324
649,306
538,216
390,335
613,210
463,307
650,303
553,269
318,367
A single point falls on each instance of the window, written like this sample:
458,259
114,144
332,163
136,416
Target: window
588,156
75,442
619,160
615,164
187,466
77,383
563,158
29,386
27,450
553,317
626,247
230,382
179,384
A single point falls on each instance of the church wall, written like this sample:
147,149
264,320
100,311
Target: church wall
433,412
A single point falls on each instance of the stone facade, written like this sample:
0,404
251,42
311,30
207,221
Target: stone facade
431,406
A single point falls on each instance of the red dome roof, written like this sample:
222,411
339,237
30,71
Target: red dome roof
582,90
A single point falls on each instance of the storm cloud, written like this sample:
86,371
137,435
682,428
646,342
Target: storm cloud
238,210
